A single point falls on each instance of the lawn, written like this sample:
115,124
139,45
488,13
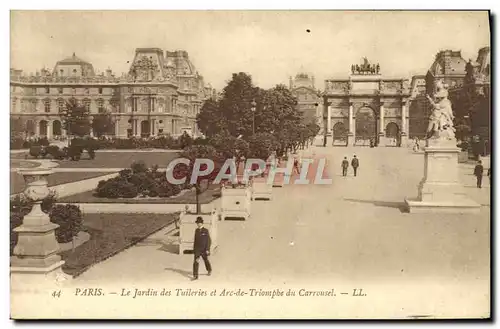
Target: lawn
109,235
188,197
17,184
120,160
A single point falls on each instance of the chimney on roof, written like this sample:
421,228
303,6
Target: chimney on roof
109,73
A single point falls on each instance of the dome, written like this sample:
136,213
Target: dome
73,66
73,60
302,75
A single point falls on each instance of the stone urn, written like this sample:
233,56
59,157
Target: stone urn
36,252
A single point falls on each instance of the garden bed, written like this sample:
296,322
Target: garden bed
188,197
120,160
17,184
109,235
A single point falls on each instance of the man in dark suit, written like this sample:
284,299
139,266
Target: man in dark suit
478,172
355,164
345,165
201,248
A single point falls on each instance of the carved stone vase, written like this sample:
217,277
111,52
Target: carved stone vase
35,253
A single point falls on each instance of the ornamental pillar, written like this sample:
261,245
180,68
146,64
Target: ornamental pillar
404,126
351,135
381,133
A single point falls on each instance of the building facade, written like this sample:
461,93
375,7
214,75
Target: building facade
469,91
161,94
308,97
366,107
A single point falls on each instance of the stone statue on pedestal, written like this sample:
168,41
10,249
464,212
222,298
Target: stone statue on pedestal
441,119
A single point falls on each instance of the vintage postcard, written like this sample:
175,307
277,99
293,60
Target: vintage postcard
250,164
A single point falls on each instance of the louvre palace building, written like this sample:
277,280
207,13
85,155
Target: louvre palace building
161,94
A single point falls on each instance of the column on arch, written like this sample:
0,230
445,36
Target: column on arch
404,125
381,132
352,125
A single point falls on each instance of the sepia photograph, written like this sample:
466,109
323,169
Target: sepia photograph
250,164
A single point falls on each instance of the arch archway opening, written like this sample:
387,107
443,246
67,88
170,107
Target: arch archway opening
339,133
57,128
392,133
43,128
145,129
30,128
366,126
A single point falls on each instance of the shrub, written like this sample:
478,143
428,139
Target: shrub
128,190
185,140
43,141
75,152
69,218
139,167
35,151
16,143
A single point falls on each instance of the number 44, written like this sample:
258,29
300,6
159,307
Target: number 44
56,294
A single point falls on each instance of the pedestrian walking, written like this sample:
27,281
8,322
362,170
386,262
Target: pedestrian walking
202,243
489,175
296,165
345,165
478,172
355,165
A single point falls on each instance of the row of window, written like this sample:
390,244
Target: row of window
61,104
60,90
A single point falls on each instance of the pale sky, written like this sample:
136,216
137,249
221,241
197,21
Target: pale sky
270,45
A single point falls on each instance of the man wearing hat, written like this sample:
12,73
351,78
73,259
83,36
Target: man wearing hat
201,248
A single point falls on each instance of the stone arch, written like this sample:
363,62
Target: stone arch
30,127
145,128
365,125
43,124
56,128
392,130
393,133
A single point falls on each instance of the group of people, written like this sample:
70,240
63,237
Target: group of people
354,164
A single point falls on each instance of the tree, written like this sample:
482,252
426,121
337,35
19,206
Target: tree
262,145
103,124
76,119
210,120
462,132
199,152
232,113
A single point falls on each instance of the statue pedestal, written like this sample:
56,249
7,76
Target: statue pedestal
36,264
440,189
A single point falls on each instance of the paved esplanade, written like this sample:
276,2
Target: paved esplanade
351,234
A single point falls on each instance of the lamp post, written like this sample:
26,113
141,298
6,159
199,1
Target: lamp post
253,109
